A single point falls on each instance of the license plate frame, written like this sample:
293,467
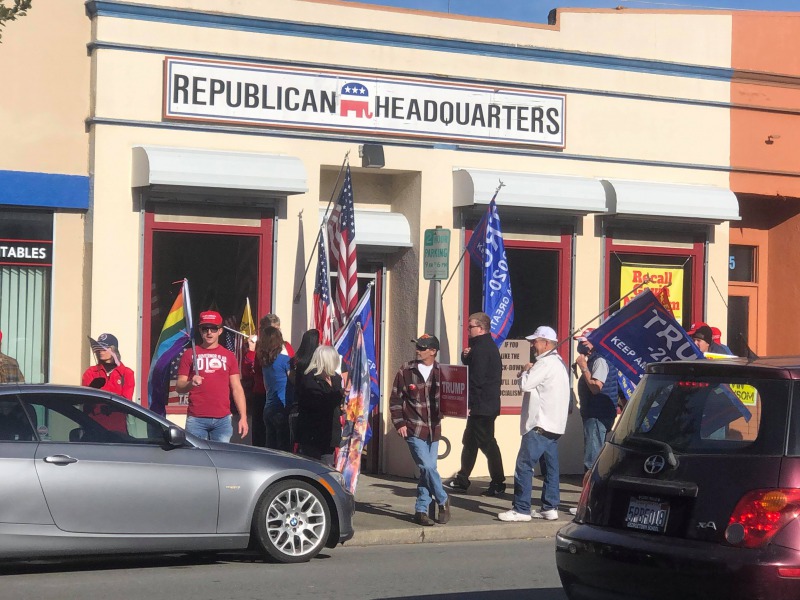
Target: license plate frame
646,513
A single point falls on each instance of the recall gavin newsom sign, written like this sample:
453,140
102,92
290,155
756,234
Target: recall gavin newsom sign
278,96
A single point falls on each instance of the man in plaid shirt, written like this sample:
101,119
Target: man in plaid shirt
414,407
9,368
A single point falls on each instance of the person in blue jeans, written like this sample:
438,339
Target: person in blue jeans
210,374
416,415
597,392
543,419
275,366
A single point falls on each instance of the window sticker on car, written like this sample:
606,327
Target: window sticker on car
746,394
43,431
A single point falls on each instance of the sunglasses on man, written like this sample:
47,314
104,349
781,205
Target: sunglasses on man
210,328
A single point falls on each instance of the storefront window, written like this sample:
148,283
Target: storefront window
539,273
630,273
26,240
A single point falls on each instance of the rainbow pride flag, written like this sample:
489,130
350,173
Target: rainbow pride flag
175,335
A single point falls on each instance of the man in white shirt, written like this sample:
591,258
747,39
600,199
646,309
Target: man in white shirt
545,407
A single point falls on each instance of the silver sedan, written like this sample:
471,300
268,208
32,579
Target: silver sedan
87,472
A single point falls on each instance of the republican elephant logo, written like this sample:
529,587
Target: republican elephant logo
355,99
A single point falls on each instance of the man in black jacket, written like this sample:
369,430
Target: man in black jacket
485,372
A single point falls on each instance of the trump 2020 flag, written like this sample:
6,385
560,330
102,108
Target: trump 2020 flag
346,346
354,433
641,332
175,334
487,248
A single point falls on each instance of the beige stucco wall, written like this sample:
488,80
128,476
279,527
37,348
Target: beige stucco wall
618,122
43,105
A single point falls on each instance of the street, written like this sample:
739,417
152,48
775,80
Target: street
505,570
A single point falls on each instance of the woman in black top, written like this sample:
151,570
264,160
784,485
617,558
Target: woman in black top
320,402
297,368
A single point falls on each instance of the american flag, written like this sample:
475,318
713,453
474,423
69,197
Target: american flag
342,234
322,296
174,397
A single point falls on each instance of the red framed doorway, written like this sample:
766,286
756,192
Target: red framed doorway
541,275
228,263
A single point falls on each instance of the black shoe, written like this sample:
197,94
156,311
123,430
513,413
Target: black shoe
494,490
457,485
421,518
444,512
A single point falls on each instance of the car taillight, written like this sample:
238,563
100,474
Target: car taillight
584,499
789,572
761,514
691,384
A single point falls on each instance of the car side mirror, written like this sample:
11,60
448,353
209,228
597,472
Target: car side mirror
175,437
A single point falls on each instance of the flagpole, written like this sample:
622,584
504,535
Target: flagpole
463,252
605,310
319,232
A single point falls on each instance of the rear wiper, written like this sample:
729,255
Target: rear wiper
643,441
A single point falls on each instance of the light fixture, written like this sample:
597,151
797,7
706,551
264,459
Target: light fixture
771,139
371,155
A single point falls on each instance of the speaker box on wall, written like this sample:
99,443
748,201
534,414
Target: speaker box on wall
372,156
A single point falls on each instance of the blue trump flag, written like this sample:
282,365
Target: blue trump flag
486,248
642,332
346,343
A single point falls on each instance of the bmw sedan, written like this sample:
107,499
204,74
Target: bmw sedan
87,472
697,493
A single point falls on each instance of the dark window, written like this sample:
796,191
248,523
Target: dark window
741,263
84,419
15,422
708,415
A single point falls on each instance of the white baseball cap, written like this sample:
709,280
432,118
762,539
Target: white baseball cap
544,332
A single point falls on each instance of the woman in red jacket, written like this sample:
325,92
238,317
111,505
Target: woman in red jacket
111,375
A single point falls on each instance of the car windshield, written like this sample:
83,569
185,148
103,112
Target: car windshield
707,415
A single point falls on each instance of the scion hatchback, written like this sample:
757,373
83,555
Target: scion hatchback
697,492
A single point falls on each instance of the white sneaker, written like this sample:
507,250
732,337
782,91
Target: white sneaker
512,516
573,511
547,515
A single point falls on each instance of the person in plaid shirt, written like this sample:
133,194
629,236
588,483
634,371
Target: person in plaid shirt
414,407
9,368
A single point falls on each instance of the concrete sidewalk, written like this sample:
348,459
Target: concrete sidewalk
385,506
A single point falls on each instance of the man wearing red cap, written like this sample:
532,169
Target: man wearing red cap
9,368
208,382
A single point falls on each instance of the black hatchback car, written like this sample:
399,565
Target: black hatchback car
696,494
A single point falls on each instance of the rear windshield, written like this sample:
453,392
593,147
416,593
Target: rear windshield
707,415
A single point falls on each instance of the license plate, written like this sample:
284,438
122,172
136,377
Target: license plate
647,514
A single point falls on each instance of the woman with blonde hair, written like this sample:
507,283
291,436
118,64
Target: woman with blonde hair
319,403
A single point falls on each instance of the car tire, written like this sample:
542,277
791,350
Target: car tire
292,522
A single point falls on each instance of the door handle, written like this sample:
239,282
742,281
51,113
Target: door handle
60,459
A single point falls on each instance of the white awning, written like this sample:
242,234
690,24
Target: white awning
383,231
193,168
578,195
674,201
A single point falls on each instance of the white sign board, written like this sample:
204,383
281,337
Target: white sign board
278,96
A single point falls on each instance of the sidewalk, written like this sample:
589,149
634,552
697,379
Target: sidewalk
385,505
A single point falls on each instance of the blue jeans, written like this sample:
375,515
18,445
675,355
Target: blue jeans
209,428
276,423
425,455
533,447
594,436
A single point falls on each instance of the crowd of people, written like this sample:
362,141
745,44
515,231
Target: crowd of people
295,401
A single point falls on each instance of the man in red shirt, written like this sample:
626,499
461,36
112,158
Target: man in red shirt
208,383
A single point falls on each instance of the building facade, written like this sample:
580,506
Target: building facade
211,136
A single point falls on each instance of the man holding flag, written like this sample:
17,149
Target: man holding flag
207,377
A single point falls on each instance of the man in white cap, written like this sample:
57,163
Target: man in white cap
545,407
